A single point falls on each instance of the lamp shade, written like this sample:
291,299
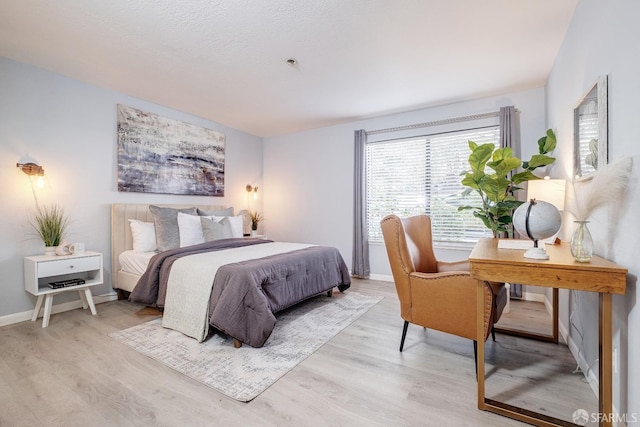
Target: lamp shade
550,190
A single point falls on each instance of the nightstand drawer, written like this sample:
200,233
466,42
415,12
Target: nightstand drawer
68,265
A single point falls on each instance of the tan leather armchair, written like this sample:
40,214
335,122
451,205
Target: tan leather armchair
435,294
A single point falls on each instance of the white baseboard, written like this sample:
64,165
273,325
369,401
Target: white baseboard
590,376
10,319
533,296
548,305
582,363
562,330
382,277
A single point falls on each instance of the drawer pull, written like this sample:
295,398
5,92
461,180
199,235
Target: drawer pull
71,266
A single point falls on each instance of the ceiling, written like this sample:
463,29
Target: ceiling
225,60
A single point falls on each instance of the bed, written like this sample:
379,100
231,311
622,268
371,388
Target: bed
231,284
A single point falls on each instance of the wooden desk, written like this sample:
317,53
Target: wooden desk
487,262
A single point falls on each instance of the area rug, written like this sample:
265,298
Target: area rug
243,373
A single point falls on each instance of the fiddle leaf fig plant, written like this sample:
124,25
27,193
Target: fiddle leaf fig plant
496,187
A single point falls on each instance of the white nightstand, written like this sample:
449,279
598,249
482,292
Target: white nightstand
257,236
40,270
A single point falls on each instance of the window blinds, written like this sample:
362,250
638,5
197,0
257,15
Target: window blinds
422,175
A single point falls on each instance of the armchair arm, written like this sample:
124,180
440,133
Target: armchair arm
447,302
453,266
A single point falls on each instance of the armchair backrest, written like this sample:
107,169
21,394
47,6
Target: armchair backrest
417,234
408,243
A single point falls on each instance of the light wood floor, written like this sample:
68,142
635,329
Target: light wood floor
73,374
531,316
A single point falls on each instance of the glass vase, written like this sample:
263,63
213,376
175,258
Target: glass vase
581,242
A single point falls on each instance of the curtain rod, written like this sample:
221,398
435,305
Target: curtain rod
437,122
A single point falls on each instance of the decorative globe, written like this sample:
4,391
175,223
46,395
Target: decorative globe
544,220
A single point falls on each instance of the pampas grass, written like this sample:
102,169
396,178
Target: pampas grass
608,186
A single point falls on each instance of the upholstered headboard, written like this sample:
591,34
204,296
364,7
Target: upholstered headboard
122,240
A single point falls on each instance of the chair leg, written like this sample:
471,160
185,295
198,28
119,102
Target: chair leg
493,333
475,356
404,334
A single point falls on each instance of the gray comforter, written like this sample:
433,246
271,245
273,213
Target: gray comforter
246,295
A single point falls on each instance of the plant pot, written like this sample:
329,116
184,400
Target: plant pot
49,250
254,233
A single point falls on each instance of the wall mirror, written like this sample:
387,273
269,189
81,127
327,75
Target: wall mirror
590,130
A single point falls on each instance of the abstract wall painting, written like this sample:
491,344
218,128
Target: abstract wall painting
161,155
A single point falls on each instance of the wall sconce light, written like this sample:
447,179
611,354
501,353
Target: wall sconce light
253,189
32,169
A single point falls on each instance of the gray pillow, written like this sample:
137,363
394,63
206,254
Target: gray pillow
219,212
166,223
214,230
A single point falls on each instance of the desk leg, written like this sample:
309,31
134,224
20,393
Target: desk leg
606,375
555,308
36,310
480,341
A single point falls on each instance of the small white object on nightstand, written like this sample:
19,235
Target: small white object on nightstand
40,271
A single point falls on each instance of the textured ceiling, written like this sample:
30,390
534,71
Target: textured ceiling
225,60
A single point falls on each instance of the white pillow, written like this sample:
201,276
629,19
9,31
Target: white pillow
237,224
190,229
144,235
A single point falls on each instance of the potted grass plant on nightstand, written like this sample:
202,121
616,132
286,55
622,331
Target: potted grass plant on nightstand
256,217
50,223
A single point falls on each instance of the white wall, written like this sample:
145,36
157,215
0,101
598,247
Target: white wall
603,38
309,175
69,128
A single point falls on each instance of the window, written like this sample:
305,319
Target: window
420,175
588,141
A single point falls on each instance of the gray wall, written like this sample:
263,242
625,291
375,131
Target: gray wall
603,38
69,128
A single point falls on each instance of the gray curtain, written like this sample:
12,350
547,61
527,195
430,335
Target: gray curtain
508,138
360,263
508,129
